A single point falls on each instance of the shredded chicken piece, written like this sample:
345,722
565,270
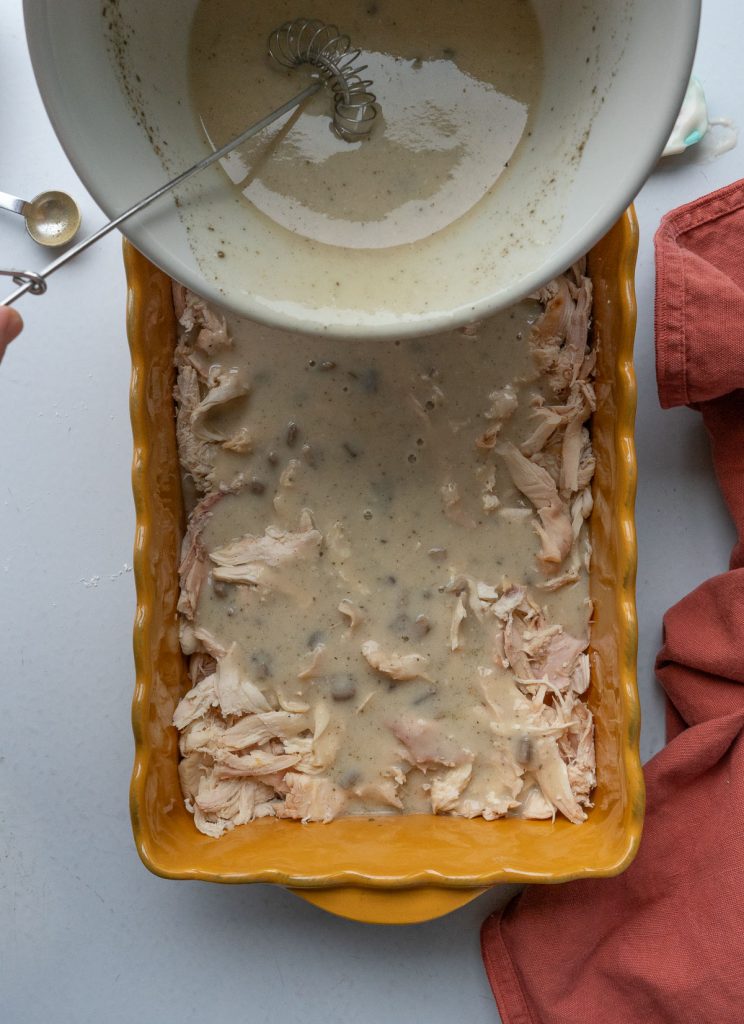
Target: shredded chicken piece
323,745
447,788
254,764
220,805
549,419
487,441
191,769
273,549
513,597
426,743
532,802
552,775
400,667
256,729
581,675
559,336
298,707
313,663
261,561
581,509
504,403
554,528
587,465
515,515
338,542
236,694
384,792
233,773
489,498
208,642
580,404
459,614
351,612
560,658
194,314
532,480
549,331
453,506
203,735
360,707
241,442
287,484
195,454
575,438
223,387
556,534
186,637
564,580
201,665
311,798
203,385
577,748
194,703
495,793
547,652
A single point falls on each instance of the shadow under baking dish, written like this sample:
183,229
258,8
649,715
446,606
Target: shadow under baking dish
387,869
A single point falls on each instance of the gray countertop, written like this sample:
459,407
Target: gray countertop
87,934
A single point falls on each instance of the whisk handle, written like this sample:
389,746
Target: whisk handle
35,282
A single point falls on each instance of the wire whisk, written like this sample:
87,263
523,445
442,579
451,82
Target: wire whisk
298,42
307,41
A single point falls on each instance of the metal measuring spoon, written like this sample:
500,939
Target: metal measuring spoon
52,218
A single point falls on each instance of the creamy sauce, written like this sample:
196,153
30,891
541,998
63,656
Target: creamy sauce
455,83
376,446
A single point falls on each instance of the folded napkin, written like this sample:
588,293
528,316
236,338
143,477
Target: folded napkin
664,942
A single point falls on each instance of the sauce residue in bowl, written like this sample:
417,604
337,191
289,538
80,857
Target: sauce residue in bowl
455,81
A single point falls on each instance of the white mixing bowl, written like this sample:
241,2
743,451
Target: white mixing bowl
615,74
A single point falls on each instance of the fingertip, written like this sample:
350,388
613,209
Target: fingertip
11,326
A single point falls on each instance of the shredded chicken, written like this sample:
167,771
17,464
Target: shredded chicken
202,387
554,526
221,389
263,562
206,330
399,667
193,569
384,792
274,731
504,403
459,614
447,788
351,612
559,336
453,506
313,663
236,694
311,799
425,743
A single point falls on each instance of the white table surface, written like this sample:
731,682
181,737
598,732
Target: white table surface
86,933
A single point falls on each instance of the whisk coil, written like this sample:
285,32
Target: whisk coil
307,41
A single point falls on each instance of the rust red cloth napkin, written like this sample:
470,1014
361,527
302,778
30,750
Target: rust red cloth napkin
664,942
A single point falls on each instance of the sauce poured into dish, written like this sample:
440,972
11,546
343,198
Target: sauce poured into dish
455,82
384,590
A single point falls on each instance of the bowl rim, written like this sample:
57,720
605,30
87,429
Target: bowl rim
646,154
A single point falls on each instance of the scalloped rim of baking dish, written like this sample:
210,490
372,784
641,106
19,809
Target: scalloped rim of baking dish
358,867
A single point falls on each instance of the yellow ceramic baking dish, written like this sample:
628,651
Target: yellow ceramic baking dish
387,869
